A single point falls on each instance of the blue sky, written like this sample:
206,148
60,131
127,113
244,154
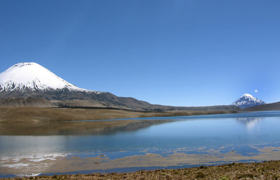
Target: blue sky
176,52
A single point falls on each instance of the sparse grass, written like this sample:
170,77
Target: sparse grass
63,121
241,171
60,121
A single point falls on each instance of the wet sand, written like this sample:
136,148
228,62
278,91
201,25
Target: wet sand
261,171
64,164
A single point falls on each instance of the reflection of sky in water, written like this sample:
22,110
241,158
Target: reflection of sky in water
228,133
25,145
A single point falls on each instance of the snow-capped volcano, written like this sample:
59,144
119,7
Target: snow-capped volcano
32,76
247,100
30,84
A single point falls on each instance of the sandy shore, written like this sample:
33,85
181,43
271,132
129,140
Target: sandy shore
269,170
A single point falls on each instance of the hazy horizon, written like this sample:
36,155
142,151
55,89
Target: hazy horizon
182,53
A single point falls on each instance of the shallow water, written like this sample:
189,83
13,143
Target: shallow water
190,140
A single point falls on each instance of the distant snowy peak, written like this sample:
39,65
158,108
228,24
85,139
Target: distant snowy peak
32,76
247,100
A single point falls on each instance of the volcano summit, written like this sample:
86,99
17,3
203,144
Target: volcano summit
34,77
29,82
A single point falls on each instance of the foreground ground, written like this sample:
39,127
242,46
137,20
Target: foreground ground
269,170
64,121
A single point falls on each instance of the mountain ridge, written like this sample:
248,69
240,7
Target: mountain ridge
30,84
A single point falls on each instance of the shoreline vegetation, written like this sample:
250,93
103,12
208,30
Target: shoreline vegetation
260,170
68,121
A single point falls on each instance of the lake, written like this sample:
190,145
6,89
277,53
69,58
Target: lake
187,141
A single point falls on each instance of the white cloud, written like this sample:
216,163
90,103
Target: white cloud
256,90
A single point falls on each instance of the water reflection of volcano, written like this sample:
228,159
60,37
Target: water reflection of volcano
249,122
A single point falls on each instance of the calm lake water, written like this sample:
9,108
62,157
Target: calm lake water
189,141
